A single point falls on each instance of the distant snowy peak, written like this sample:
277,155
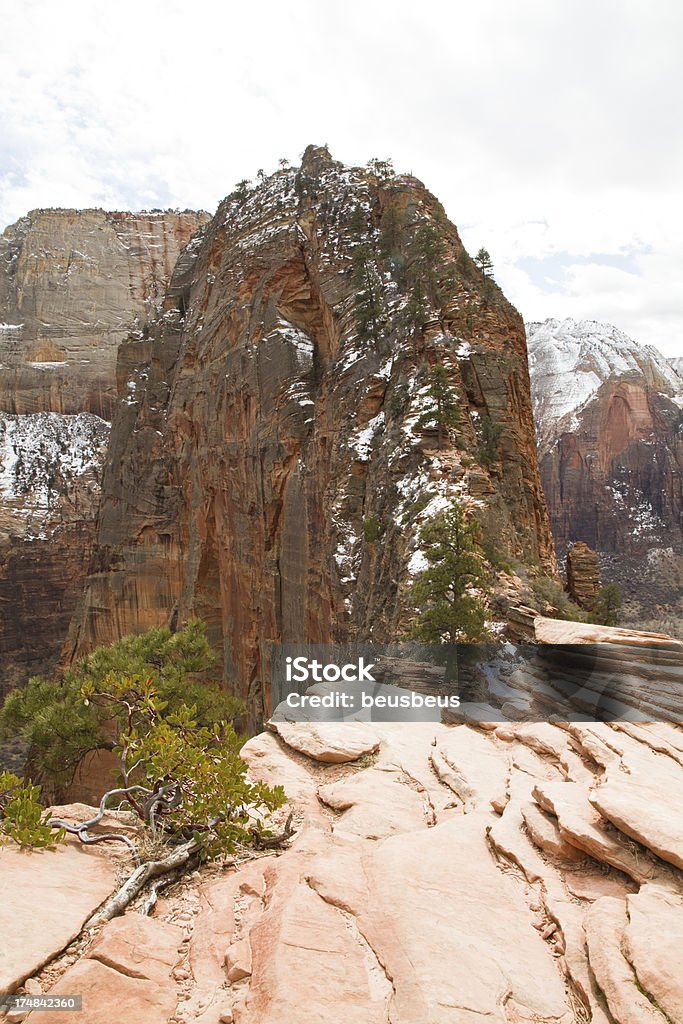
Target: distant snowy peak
570,359
677,363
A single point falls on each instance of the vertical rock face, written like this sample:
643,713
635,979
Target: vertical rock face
609,416
267,471
72,285
583,575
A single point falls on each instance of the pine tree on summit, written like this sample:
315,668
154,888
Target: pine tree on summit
484,262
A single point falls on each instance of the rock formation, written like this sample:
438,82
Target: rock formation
677,363
72,286
513,872
583,575
266,472
609,416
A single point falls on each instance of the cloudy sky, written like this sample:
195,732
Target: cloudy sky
550,130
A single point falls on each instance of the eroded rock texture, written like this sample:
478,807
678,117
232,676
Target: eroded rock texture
72,286
609,417
266,471
507,872
583,575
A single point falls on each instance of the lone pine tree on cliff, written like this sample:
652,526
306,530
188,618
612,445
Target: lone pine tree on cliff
444,412
484,262
448,611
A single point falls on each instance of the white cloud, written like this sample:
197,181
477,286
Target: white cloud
544,128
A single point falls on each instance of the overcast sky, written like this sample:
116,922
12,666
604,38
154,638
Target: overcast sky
549,129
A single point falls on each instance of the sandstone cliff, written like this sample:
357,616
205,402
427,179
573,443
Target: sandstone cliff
265,470
509,873
72,285
610,432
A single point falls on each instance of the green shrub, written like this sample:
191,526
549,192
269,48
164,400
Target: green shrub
548,592
184,780
372,529
22,819
60,728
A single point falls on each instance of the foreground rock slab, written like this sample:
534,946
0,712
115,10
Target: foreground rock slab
46,899
125,977
461,874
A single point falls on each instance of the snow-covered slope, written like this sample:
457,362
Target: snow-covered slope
50,470
570,359
677,363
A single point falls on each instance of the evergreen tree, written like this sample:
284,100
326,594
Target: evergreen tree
369,305
490,441
484,262
427,256
358,223
390,233
61,727
447,612
606,611
444,412
416,309
382,169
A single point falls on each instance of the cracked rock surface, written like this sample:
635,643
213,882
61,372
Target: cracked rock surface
459,873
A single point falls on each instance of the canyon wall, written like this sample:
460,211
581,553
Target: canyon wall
267,471
609,416
72,286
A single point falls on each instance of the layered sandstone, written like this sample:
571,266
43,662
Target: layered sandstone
73,284
508,872
609,416
266,472
583,575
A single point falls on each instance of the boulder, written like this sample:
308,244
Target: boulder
331,742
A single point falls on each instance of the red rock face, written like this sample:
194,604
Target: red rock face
615,481
264,470
610,426
73,284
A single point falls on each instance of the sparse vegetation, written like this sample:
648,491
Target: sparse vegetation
608,606
495,557
549,598
52,717
444,412
448,610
